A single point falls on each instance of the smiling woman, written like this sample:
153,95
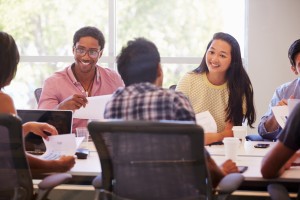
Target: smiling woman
45,46
213,87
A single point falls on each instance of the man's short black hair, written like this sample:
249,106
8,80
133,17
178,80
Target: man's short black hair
293,51
89,31
138,61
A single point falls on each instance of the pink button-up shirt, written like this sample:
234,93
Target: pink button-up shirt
63,84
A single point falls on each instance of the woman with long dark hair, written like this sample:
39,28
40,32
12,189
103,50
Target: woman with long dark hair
221,86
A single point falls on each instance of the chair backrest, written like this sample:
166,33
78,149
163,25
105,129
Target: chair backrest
37,94
172,87
15,176
152,160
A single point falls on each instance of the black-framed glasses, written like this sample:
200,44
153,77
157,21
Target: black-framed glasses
93,53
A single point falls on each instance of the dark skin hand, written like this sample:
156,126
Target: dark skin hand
73,102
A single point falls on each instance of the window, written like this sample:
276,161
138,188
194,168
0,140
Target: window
181,30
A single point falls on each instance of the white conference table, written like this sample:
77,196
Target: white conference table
246,149
252,157
90,166
83,172
86,169
253,171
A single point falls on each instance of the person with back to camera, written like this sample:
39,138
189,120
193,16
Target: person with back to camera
143,97
268,127
9,59
221,86
68,89
286,149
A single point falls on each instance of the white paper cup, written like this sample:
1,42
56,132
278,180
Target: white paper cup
231,145
249,147
82,132
240,132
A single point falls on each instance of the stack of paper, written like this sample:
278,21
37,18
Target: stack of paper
59,145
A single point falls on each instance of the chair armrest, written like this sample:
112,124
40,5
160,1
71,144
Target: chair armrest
97,182
229,183
278,192
54,180
48,183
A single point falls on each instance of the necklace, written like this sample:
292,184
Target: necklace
90,86
87,90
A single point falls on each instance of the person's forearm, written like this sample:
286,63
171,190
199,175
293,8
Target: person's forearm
269,171
26,128
215,172
210,138
39,166
271,124
276,161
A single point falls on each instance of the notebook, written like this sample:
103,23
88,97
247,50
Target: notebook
61,119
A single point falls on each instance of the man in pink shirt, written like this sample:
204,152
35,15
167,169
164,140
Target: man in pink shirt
68,89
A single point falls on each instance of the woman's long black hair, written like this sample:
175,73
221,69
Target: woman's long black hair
239,84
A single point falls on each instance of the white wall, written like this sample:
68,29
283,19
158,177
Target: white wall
272,27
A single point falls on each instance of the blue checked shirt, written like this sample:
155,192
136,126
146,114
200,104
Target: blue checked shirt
145,101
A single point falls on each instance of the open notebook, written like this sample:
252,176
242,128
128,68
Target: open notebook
61,119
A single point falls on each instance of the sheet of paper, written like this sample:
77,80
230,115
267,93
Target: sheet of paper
292,104
94,109
59,145
206,120
281,114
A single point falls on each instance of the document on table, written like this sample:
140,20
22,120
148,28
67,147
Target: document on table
206,120
281,114
59,145
94,109
292,104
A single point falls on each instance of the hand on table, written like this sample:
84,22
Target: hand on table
229,167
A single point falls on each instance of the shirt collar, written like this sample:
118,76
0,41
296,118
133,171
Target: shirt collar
72,77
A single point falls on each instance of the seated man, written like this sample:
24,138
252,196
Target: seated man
284,153
68,89
143,98
268,127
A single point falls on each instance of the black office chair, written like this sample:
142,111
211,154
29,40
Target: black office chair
15,175
172,87
279,192
37,94
154,160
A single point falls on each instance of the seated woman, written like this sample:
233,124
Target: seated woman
9,59
221,86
